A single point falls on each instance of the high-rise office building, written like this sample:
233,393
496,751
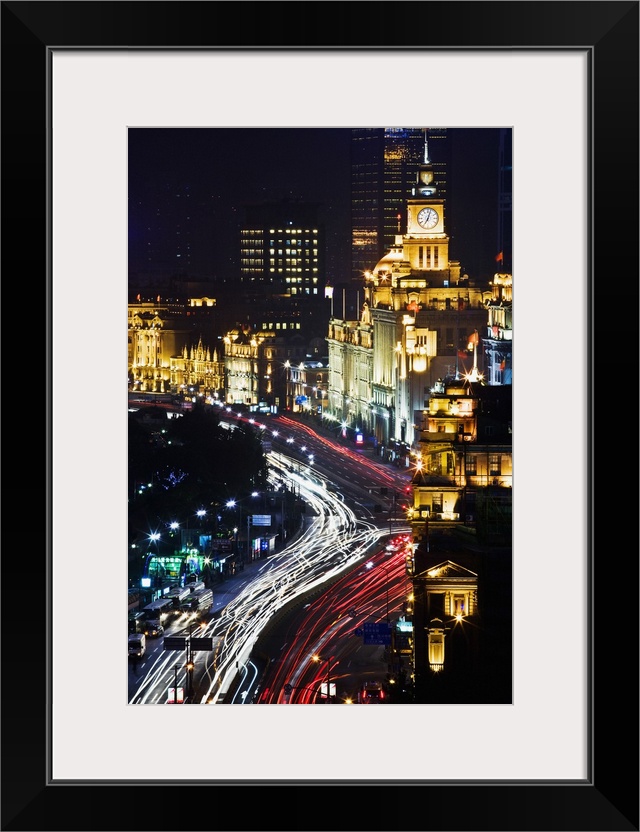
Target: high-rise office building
505,194
384,162
282,268
167,235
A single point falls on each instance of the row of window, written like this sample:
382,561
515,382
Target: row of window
495,465
297,252
425,256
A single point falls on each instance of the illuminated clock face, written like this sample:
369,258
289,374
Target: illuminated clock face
428,217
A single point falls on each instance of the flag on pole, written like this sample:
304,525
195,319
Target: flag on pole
499,257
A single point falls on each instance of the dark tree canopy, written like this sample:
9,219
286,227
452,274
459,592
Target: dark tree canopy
179,465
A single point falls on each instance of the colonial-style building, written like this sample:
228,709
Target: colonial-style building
306,385
197,371
498,342
465,454
419,322
257,368
164,355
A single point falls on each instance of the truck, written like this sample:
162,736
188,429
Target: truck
136,622
137,645
155,616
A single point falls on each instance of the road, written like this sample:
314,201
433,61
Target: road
331,627
341,530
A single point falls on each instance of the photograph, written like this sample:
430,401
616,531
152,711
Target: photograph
326,486
319,405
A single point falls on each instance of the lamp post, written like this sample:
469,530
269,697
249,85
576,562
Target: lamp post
287,382
175,684
154,537
317,658
190,664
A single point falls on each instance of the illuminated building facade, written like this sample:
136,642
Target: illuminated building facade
464,462
306,386
282,268
162,356
462,503
445,596
419,322
350,377
197,371
498,341
254,368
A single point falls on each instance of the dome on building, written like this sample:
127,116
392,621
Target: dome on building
394,257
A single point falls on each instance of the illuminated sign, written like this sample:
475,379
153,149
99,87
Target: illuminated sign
261,519
359,439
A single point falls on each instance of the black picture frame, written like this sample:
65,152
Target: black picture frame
608,799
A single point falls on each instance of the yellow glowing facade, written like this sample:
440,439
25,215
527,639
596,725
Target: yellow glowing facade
498,342
435,640
417,315
255,368
197,371
160,354
448,596
460,453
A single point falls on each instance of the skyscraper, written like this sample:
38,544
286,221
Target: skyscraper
282,267
505,193
384,162
167,235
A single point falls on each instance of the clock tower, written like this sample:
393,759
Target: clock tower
425,244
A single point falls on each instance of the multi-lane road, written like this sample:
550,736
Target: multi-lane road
340,548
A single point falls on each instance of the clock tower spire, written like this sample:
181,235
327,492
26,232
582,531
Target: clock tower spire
425,186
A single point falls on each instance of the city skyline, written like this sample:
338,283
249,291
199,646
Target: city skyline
397,385
222,170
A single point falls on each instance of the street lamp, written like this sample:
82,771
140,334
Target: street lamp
287,383
241,505
316,658
174,701
154,537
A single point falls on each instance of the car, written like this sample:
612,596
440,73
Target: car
153,629
371,693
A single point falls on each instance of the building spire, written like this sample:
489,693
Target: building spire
425,185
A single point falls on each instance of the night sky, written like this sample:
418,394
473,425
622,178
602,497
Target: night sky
227,168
